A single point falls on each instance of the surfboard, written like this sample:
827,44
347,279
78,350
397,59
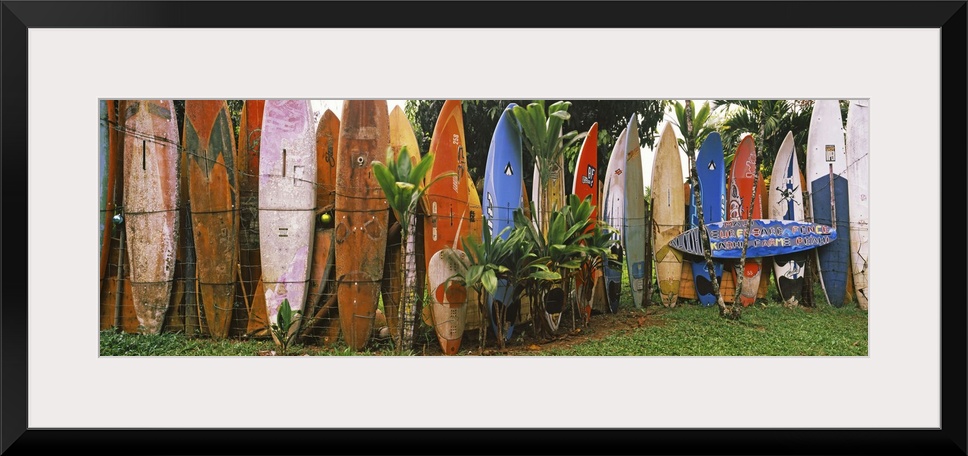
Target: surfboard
766,238
107,178
858,183
635,229
151,151
287,203
585,185
250,259
323,262
785,197
472,226
402,322
449,301
209,141
668,215
446,203
361,217
711,174
739,202
613,214
826,164
502,195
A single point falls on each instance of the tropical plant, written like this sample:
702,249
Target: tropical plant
599,250
564,250
286,327
489,261
693,128
544,140
401,183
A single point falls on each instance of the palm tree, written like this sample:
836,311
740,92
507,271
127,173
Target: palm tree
768,121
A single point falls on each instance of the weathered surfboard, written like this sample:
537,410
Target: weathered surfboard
287,202
151,185
858,183
449,300
785,197
107,178
668,215
362,214
209,142
321,287
250,259
826,170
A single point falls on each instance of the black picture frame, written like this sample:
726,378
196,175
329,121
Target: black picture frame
16,17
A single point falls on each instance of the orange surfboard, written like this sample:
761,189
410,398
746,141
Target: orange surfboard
151,206
323,261
585,185
738,206
362,214
250,258
209,142
446,206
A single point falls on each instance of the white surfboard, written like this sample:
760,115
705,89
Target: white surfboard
858,184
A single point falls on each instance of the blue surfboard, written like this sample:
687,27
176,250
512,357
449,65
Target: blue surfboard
766,238
710,170
502,196
829,198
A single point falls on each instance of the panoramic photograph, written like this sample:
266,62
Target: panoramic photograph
429,227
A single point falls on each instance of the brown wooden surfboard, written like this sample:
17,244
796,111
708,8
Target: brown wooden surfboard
151,206
362,213
250,258
323,262
213,190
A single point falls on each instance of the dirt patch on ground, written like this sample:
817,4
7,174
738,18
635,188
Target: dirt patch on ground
526,342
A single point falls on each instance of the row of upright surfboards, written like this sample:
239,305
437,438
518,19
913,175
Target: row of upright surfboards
833,162
296,200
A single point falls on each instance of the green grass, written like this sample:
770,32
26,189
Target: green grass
765,329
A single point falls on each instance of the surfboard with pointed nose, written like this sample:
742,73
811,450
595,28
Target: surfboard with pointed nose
785,197
668,215
613,214
827,179
740,202
362,214
287,202
150,174
213,182
503,194
446,206
710,171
